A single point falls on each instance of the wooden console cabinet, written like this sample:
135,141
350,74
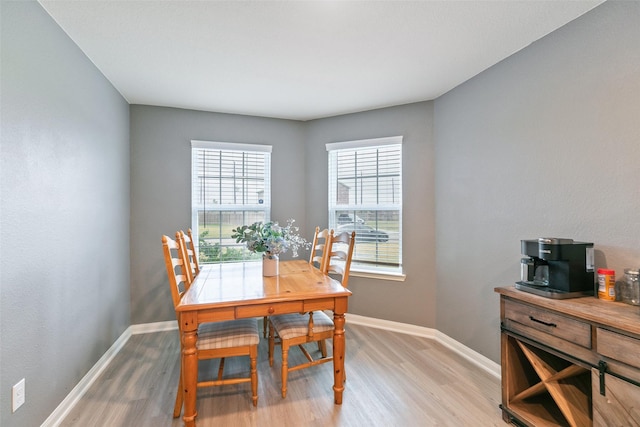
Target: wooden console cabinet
572,362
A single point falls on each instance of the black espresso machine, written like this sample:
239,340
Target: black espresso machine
557,268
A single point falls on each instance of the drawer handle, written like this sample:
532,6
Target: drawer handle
271,310
533,319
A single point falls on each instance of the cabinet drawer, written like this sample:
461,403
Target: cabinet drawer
550,322
618,347
270,309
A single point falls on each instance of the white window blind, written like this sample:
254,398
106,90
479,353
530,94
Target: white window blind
230,187
365,195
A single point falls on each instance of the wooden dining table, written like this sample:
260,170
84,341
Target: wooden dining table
239,290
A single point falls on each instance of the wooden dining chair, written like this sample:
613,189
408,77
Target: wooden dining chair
297,329
317,257
192,244
338,262
188,252
216,340
339,255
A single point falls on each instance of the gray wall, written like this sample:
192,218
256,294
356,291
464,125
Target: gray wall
161,184
545,143
64,213
411,301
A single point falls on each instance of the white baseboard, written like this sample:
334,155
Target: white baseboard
388,325
59,414
472,356
146,328
63,409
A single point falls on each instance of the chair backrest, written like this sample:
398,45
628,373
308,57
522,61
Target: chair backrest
178,281
339,254
318,249
188,253
192,246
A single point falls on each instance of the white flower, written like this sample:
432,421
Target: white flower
270,237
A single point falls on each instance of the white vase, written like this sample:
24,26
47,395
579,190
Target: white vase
270,265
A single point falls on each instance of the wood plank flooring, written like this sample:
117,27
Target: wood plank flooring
392,380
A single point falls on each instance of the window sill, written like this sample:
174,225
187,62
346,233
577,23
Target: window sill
395,274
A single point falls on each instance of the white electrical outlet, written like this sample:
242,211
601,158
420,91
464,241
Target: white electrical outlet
18,395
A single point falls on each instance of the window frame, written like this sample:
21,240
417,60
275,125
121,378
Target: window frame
196,205
361,268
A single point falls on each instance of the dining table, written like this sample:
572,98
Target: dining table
238,290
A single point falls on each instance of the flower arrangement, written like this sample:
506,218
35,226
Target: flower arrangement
270,237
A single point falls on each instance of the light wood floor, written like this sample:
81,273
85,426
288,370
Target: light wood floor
392,380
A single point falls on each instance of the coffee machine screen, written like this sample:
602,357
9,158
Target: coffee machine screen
590,262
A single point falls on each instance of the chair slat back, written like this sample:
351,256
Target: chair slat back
318,249
188,253
178,281
339,254
191,245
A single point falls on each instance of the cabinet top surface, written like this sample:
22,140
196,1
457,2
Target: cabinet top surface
618,315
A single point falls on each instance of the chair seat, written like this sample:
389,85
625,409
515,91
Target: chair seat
232,333
216,340
296,325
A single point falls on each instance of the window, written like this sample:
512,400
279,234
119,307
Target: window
230,186
365,195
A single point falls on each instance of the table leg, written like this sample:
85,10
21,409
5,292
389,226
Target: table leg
189,368
338,357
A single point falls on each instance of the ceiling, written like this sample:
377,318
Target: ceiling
300,59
